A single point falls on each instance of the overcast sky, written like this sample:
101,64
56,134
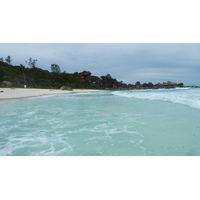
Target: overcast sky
127,62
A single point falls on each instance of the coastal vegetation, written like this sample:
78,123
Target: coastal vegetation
35,77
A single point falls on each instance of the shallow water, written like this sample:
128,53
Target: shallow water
142,122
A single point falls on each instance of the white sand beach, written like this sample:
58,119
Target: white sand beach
7,94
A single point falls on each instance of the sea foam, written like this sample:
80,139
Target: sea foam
178,95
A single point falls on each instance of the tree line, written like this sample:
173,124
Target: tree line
32,63
35,77
8,60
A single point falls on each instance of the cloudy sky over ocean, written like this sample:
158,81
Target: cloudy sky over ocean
129,62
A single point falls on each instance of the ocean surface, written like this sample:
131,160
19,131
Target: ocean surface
163,122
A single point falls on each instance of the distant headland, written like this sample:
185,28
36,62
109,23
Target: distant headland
34,77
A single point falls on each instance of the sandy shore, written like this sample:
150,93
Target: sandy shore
9,95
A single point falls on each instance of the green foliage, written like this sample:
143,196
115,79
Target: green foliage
35,77
55,68
8,60
107,80
1,73
31,62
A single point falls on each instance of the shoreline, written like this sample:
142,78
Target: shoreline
9,95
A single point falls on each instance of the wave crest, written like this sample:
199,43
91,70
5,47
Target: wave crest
186,97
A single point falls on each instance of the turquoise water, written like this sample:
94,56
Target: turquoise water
139,123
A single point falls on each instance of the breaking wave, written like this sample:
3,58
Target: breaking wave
185,96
